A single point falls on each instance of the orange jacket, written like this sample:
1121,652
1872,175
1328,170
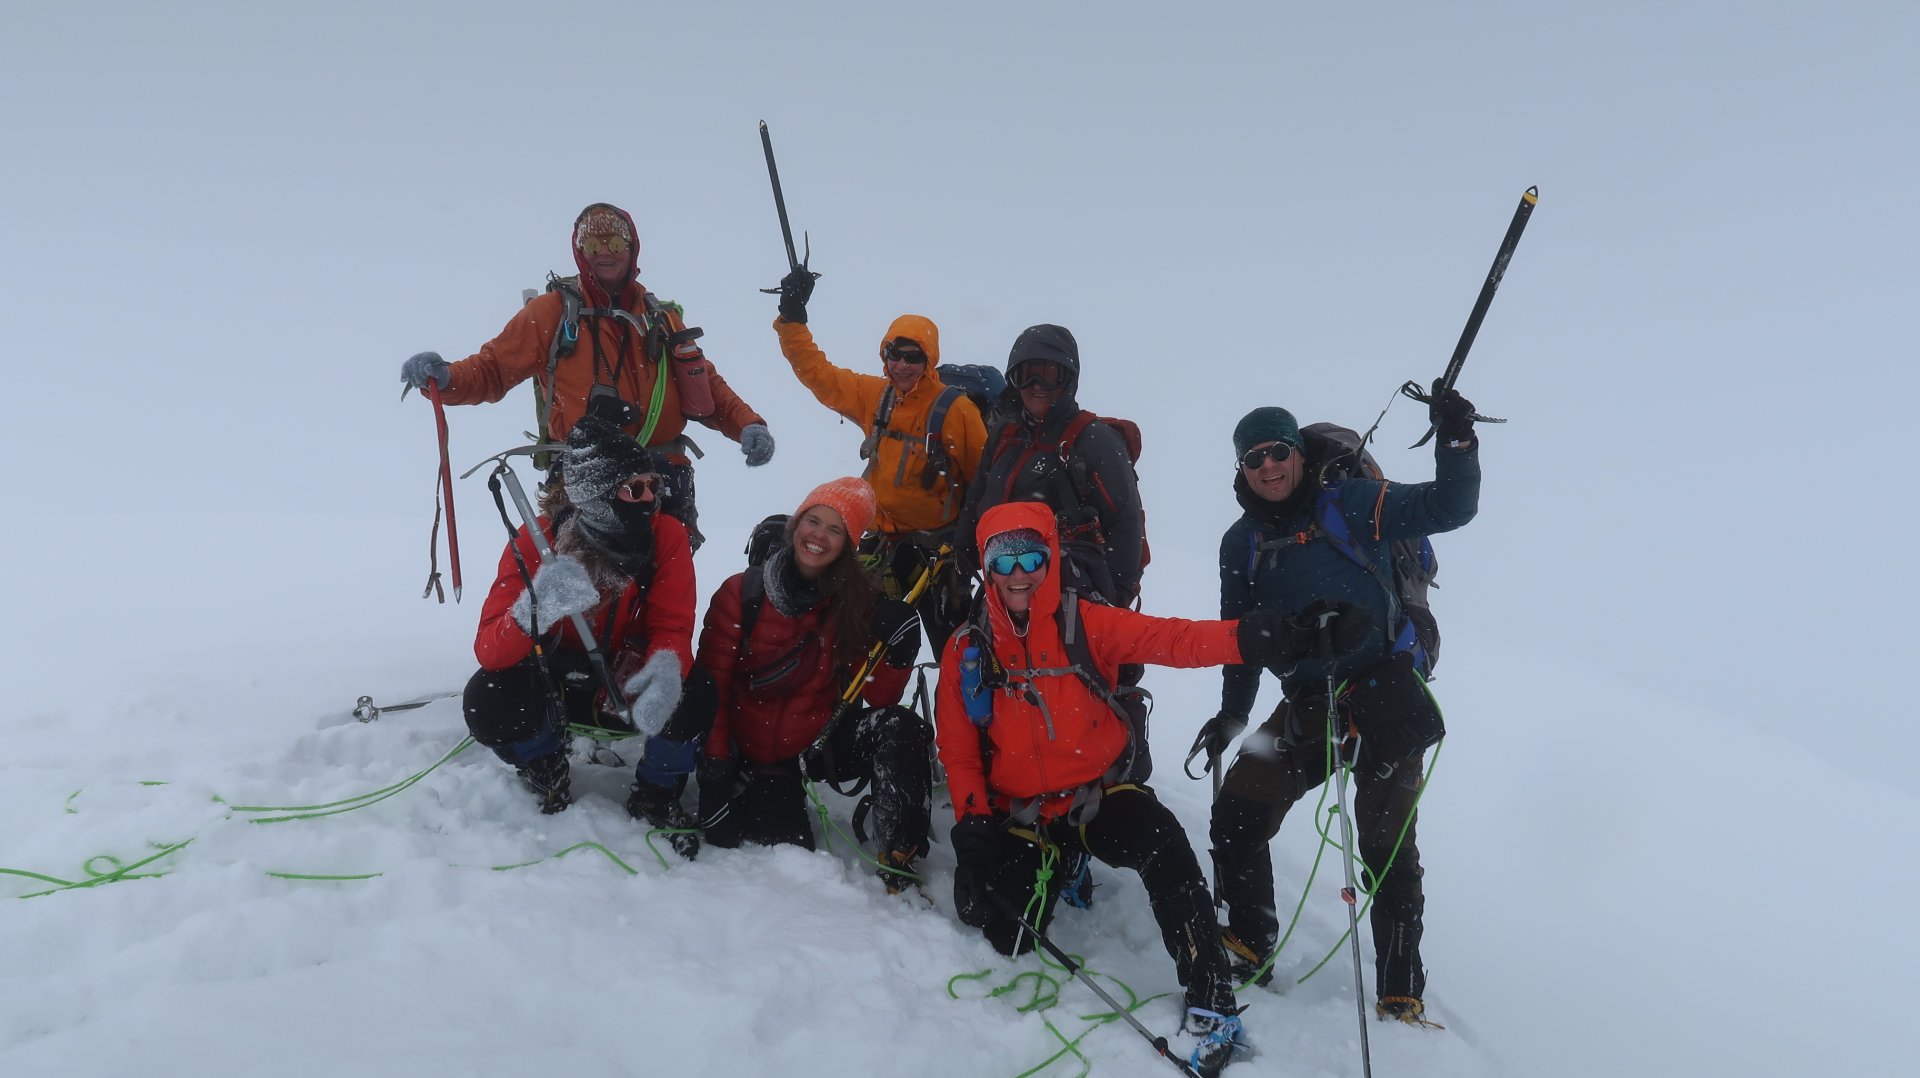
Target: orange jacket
521,349
897,462
1077,737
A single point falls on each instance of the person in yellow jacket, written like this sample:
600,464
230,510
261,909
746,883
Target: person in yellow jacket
922,447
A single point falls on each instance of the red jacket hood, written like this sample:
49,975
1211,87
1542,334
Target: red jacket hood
590,286
1012,516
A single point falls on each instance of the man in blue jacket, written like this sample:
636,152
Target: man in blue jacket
1280,556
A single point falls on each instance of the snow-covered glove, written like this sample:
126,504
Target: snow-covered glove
898,625
1268,638
795,289
561,589
653,692
757,443
424,366
719,779
1451,415
977,842
1215,736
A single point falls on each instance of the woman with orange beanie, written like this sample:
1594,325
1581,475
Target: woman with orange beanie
781,645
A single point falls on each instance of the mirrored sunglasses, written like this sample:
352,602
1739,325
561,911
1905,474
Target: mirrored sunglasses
1278,451
1005,564
639,488
1042,374
610,244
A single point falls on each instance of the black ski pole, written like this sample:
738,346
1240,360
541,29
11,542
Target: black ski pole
1066,960
1511,240
794,262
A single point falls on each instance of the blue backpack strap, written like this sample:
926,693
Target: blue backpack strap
935,447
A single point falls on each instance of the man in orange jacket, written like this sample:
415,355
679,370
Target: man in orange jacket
923,443
601,343
1040,755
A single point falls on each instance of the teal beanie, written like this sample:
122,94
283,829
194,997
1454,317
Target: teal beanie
1264,425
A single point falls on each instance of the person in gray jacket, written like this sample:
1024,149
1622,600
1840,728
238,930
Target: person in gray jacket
1042,446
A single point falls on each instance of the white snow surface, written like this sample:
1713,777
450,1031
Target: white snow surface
1671,830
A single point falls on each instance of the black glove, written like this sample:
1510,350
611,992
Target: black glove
1451,415
977,843
1269,639
1215,736
896,623
796,289
719,779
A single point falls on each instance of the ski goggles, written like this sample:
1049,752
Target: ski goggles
609,244
1040,373
1029,562
640,488
902,350
1278,452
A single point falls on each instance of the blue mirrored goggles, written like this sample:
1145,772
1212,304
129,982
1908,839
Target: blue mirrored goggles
1005,564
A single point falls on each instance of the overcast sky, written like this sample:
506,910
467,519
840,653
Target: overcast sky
226,225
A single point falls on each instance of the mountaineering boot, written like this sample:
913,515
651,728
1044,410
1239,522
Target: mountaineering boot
660,807
1404,1009
1221,1038
892,864
1076,868
550,778
1244,958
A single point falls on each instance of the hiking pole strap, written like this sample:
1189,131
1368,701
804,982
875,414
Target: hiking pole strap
445,493
1521,214
616,700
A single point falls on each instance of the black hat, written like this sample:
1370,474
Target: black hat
599,457
1049,342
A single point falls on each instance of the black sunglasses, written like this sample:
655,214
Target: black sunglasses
1278,451
901,350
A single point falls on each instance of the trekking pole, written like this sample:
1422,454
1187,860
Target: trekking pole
1219,896
780,204
616,700
1350,893
1159,1043
1511,240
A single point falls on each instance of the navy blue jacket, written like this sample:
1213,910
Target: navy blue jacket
1288,577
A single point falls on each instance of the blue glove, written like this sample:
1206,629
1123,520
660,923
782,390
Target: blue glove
757,443
423,366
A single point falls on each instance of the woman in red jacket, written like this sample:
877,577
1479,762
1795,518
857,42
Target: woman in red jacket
626,569
1039,757
781,644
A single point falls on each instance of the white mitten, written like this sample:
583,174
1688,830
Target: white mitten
654,692
561,589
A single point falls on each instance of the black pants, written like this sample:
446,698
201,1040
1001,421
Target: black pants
512,712
1279,764
1131,830
890,747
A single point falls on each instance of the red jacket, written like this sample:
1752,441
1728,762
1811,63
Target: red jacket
777,720
628,629
1086,737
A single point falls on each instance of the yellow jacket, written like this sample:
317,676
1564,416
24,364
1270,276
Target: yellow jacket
899,460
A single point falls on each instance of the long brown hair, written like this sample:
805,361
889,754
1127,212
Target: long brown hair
851,595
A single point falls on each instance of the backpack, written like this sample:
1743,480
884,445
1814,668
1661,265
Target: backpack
660,339
753,583
1079,523
981,383
1337,456
939,461
981,674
